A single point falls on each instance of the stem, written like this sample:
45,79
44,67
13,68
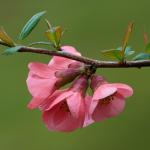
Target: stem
89,61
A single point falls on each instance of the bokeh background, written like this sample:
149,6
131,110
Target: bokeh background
90,26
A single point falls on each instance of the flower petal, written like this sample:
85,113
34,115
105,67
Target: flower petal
74,103
114,108
123,89
46,104
71,50
61,62
88,117
59,98
34,103
104,91
40,69
57,120
39,87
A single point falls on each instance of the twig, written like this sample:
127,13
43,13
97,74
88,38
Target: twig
89,61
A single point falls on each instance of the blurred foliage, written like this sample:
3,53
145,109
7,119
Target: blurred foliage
90,26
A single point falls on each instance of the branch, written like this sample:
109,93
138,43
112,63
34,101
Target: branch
89,61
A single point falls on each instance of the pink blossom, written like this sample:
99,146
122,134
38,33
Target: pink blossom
44,79
65,109
108,99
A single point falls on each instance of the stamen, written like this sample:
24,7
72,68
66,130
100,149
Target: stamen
107,100
64,107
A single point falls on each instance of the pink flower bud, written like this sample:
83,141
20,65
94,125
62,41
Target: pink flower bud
76,65
66,76
96,81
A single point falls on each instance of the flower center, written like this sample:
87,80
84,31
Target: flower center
107,100
64,107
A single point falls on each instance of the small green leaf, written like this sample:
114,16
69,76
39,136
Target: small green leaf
51,35
11,50
119,48
40,43
58,31
112,53
31,24
129,51
127,36
147,49
5,38
142,56
54,35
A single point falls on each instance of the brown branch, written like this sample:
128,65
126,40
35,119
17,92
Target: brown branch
89,61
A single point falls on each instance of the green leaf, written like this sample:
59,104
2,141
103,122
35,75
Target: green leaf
31,24
40,43
142,56
5,38
147,49
54,35
127,36
58,31
51,35
129,51
112,53
11,50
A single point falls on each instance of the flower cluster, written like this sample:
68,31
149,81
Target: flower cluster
68,109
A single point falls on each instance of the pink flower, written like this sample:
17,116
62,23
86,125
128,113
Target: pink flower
108,99
44,79
65,110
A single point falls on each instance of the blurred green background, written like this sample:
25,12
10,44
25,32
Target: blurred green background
91,26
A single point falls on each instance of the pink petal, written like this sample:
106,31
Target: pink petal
93,106
104,91
40,69
57,120
100,93
61,97
88,117
39,87
115,107
61,62
34,103
74,103
46,104
71,50
98,114
112,109
123,89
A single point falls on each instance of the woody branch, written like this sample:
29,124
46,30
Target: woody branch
89,61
